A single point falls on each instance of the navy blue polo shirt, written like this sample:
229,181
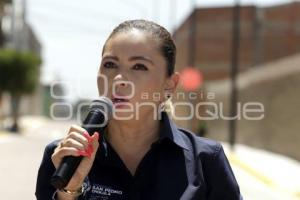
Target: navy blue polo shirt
179,165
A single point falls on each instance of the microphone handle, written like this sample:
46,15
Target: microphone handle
69,164
65,171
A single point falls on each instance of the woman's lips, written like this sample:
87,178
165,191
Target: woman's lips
119,101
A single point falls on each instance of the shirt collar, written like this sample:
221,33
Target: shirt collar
170,131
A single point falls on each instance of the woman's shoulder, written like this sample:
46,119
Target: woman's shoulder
49,149
199,144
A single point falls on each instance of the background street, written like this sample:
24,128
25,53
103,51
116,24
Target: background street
21,156
259,173
239,75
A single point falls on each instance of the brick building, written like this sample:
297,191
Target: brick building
267,34
18,34
276,86
3,4
269,72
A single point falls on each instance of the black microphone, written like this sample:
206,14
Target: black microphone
99,114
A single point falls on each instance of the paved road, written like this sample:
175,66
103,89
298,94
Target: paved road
256,171
20,158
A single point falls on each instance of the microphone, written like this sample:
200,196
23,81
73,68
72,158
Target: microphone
100,112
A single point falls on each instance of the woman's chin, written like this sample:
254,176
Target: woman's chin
123,111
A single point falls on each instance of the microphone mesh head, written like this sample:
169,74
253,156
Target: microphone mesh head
103,104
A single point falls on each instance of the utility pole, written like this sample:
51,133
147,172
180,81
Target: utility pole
258,37
234,71
192,35
18,24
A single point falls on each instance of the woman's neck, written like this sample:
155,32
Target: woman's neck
139,133
132,139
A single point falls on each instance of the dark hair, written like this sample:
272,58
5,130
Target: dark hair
167,46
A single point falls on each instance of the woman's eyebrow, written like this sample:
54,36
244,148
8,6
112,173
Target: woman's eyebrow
141,58
111,57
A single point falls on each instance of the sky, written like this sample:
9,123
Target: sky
72,33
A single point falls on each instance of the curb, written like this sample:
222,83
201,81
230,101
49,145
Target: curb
233,158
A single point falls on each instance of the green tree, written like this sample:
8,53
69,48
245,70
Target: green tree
19,75
5,1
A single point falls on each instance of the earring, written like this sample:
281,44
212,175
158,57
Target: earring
167,95
162,106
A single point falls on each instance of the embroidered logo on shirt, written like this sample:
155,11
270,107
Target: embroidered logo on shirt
104,192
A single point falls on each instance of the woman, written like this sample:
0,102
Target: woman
145,156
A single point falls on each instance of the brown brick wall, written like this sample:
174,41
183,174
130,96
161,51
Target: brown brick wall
267,34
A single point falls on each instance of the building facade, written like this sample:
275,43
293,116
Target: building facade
268,72
267,34
17,34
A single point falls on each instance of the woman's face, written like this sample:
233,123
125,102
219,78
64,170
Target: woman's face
136,72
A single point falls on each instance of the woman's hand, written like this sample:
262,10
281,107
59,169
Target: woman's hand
77,143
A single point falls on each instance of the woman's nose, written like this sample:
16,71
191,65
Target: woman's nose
120,80
123,86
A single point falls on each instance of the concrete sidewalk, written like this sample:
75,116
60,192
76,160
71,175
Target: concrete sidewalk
264,175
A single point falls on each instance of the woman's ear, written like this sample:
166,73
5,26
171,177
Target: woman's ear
171,84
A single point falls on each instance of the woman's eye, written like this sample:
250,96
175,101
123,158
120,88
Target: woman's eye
140,67
109,65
